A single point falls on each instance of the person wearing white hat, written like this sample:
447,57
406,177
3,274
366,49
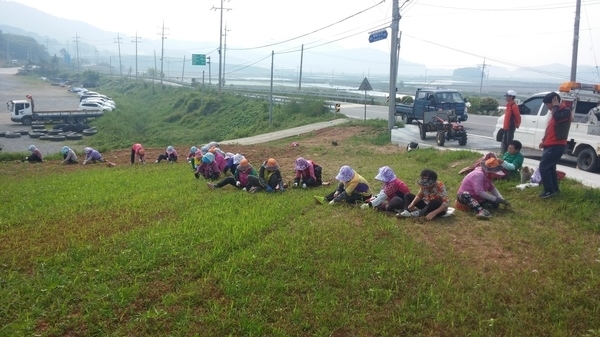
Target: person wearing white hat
36,155
170,155
512,120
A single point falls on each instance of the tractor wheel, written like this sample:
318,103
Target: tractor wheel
422,131
441,138
462,141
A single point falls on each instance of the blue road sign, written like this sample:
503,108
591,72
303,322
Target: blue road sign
376,36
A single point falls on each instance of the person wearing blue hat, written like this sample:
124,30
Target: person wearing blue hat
69,156
208,168
36,155
170,155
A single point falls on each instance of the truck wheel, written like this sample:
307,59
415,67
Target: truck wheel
70,120
35,134
22,131
26,120
462,141
74,136
12,135
89,132
59,126
441,138
37,126
404,118
54,132
587,160
422,131
2,133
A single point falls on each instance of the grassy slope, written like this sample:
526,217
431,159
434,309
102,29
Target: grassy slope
148,250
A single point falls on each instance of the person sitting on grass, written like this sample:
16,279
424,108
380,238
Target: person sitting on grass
352,188
478,188
308,174
240,177
35,156
431,201
170,155
208,168
512,160
138,149
268,179
92,156
391,196
69,156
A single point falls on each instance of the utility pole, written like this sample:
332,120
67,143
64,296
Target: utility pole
183,68
482,66
300,75
136,39
224,53
118,42
162,52
575,42
271,100
394,63
77,49
220,41
209,76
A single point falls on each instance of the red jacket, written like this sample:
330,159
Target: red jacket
512,116
558,127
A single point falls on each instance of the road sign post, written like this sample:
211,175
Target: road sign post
198,59
366,86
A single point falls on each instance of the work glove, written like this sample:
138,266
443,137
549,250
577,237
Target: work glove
364,206
303,185
282,189
502,201
332,202
197,175
295,185
238,184
269,189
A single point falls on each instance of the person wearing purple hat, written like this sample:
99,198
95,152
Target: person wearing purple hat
92,156
308,174
478,188
391,196
352,188
208,168
170,155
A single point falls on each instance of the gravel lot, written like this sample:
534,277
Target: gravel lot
46,97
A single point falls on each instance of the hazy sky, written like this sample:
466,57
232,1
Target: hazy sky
444,34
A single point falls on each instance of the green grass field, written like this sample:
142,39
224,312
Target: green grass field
149,250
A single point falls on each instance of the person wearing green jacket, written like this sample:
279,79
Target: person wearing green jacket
512,160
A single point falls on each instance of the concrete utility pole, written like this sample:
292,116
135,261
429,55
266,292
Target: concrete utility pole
394,63
77,49
225,53
136,39
220,41
575,42
483,66
162,51
209,75
183,68
118,42
300,75
271,100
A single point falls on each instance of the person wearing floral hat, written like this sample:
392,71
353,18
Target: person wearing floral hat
233,162
36,155
138,150
478,187
92,156
240,177
268,179
308,174
170,155
352,188
431,201
392,194
208,168
69,156
219,158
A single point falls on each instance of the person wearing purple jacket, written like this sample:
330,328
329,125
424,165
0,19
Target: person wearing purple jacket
170,155
208,168
219,158
36,155
92,156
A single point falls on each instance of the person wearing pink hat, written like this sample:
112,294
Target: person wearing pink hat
308,174
391,196
170,155
478,188
352,188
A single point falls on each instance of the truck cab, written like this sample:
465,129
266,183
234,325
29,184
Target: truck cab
19,109
433,100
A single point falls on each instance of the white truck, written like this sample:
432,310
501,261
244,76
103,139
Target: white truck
21,111
584,134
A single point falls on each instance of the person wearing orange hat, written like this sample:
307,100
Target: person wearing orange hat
138,149
240,177
268,179
478,188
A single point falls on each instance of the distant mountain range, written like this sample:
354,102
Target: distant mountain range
57,33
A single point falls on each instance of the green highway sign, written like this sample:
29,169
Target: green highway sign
198,59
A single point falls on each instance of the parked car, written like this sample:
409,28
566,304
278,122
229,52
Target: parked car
110,104
94,106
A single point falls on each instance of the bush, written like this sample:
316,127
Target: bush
488,105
